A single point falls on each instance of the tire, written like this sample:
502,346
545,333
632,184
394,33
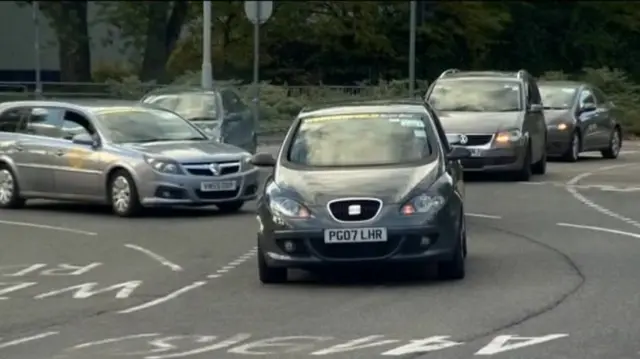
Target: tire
270,275
9,189
454,269
540,167
573,152
123,195
230,207
524,174
615,143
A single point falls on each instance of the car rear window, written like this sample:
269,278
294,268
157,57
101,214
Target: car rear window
557,97
362,140
192,106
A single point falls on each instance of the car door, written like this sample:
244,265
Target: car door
454,168
12,145
535,116
239,127
37,146
588,120
605,118
79,167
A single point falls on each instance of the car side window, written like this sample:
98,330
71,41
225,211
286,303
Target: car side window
600,96
13,120
231,102
44,121
168,102
586,96
74,124
534,93
439,130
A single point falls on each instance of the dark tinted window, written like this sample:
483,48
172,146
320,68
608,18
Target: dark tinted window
11,120
45,121
232,102
586,96
600,96
480,95
362,140
558,97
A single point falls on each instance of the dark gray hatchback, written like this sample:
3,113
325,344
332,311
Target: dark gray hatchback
369,182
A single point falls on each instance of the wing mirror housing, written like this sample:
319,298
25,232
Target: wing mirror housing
454,138
85,140
263,159
458,153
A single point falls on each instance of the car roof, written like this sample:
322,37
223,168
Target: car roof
182,90
78,105
483,74
362,106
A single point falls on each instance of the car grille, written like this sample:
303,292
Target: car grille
478,140
202,169
368,209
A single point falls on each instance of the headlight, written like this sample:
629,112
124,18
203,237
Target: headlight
423,203
288,208
163,165
246,162
560,126
508,136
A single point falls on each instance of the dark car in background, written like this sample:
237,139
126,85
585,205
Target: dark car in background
359,183
580,118
221,113
499,117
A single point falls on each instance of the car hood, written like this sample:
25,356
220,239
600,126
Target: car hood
191,151
554,116
478,122
391,185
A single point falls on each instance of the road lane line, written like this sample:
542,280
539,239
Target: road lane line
52,228
600,229
165,298
570,187
234,263
165,262
480,215
26,339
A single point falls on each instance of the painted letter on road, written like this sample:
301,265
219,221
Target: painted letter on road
69,269
357,344
86,290
12,287
289,344
503,343
430,344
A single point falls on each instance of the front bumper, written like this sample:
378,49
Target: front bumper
488,159
558,142
184,190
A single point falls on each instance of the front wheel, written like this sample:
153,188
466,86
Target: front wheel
454,269
9,189
123,195
573,152
524,174
615,143
270,275
540,167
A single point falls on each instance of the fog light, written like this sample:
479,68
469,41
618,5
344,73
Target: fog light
425,241
289,246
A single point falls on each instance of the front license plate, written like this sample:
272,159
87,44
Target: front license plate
355,235
475,152
218,186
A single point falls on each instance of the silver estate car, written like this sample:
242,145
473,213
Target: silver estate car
127,155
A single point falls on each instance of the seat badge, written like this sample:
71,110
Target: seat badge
215,169
464,139
354,210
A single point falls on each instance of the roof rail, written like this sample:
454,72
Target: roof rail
522,73
448,72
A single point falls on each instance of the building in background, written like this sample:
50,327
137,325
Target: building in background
17,48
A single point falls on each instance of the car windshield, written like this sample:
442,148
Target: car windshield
476,95
557,97
192,106
127,125
361,140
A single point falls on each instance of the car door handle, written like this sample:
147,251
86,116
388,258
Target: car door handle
59,153
18,148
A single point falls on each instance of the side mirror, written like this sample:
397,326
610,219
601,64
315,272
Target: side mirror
263,160
233,116
536,108
458,153
85,140
588,107
455,139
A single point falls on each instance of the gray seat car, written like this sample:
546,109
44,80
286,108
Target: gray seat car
127,155
363,183
221,113
499,116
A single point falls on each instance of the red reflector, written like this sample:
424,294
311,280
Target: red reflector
408,209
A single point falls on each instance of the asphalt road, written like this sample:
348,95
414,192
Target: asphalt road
552,273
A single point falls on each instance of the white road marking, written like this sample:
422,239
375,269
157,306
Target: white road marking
165,298
234,264
165,262
600,229
503,343
51,228
589,203
480,215
26,339
114,340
